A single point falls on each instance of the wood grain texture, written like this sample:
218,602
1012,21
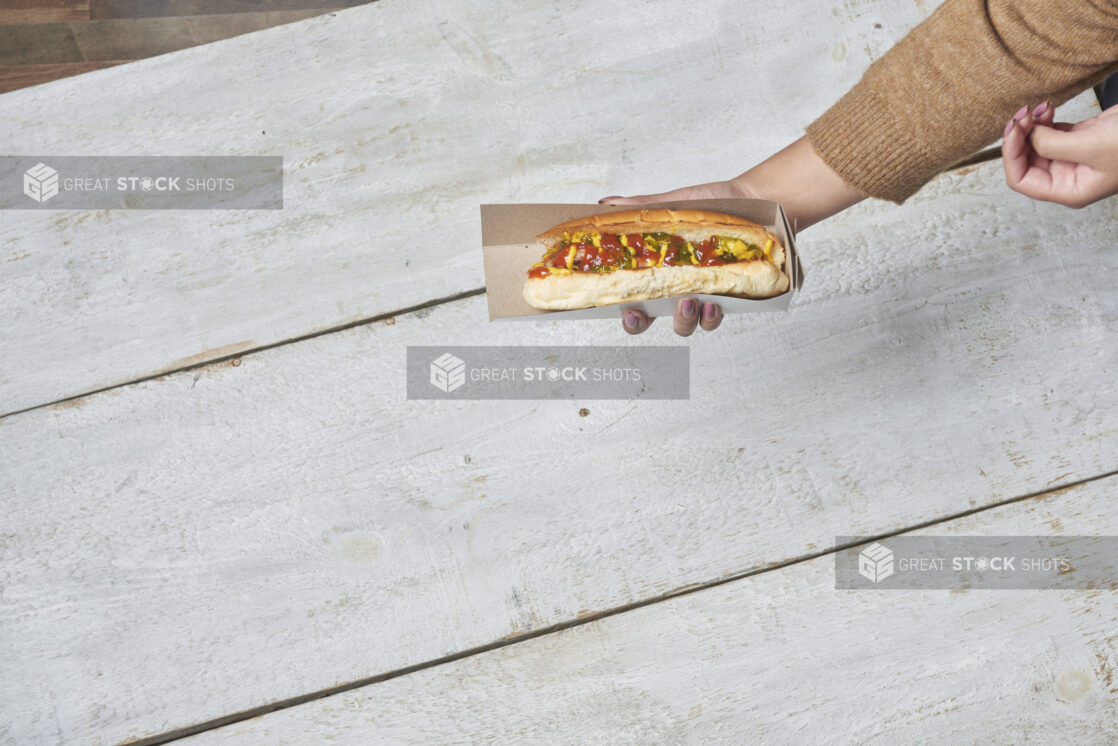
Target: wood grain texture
18,12
240,534
14,77
102,9
37,44
395,123
214,27
135,39
778,658
37,54
132,39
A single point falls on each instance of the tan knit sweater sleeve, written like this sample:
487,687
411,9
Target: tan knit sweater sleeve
947,89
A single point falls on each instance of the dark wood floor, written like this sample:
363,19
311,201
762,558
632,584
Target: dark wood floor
42,40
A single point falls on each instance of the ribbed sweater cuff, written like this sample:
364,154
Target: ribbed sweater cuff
870,149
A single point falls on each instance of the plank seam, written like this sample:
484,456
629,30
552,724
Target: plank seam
283,704
262,348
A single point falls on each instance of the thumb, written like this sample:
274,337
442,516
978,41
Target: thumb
1077,146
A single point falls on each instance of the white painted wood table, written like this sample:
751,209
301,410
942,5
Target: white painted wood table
219,504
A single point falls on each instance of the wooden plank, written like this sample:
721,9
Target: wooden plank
39,43
152,8
132,39
108,43
778,658
14,77
394,125
13,12
214,27
137,38
244,533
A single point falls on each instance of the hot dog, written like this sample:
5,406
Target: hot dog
636,255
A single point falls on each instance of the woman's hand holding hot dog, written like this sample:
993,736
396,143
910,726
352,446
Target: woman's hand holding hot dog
796,177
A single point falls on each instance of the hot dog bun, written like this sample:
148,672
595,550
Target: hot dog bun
759,278
585,289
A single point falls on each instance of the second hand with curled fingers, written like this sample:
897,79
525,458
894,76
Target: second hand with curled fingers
1071,164
796,177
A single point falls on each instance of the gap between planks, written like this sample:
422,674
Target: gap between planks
262,348
283,704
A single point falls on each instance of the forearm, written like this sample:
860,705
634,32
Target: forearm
797,178
946,90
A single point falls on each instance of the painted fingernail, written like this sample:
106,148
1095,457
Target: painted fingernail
688,308
603,200
708,312
1021,113
631,321
1008,127
1040,109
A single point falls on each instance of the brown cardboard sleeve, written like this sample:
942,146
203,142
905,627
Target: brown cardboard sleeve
509,248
